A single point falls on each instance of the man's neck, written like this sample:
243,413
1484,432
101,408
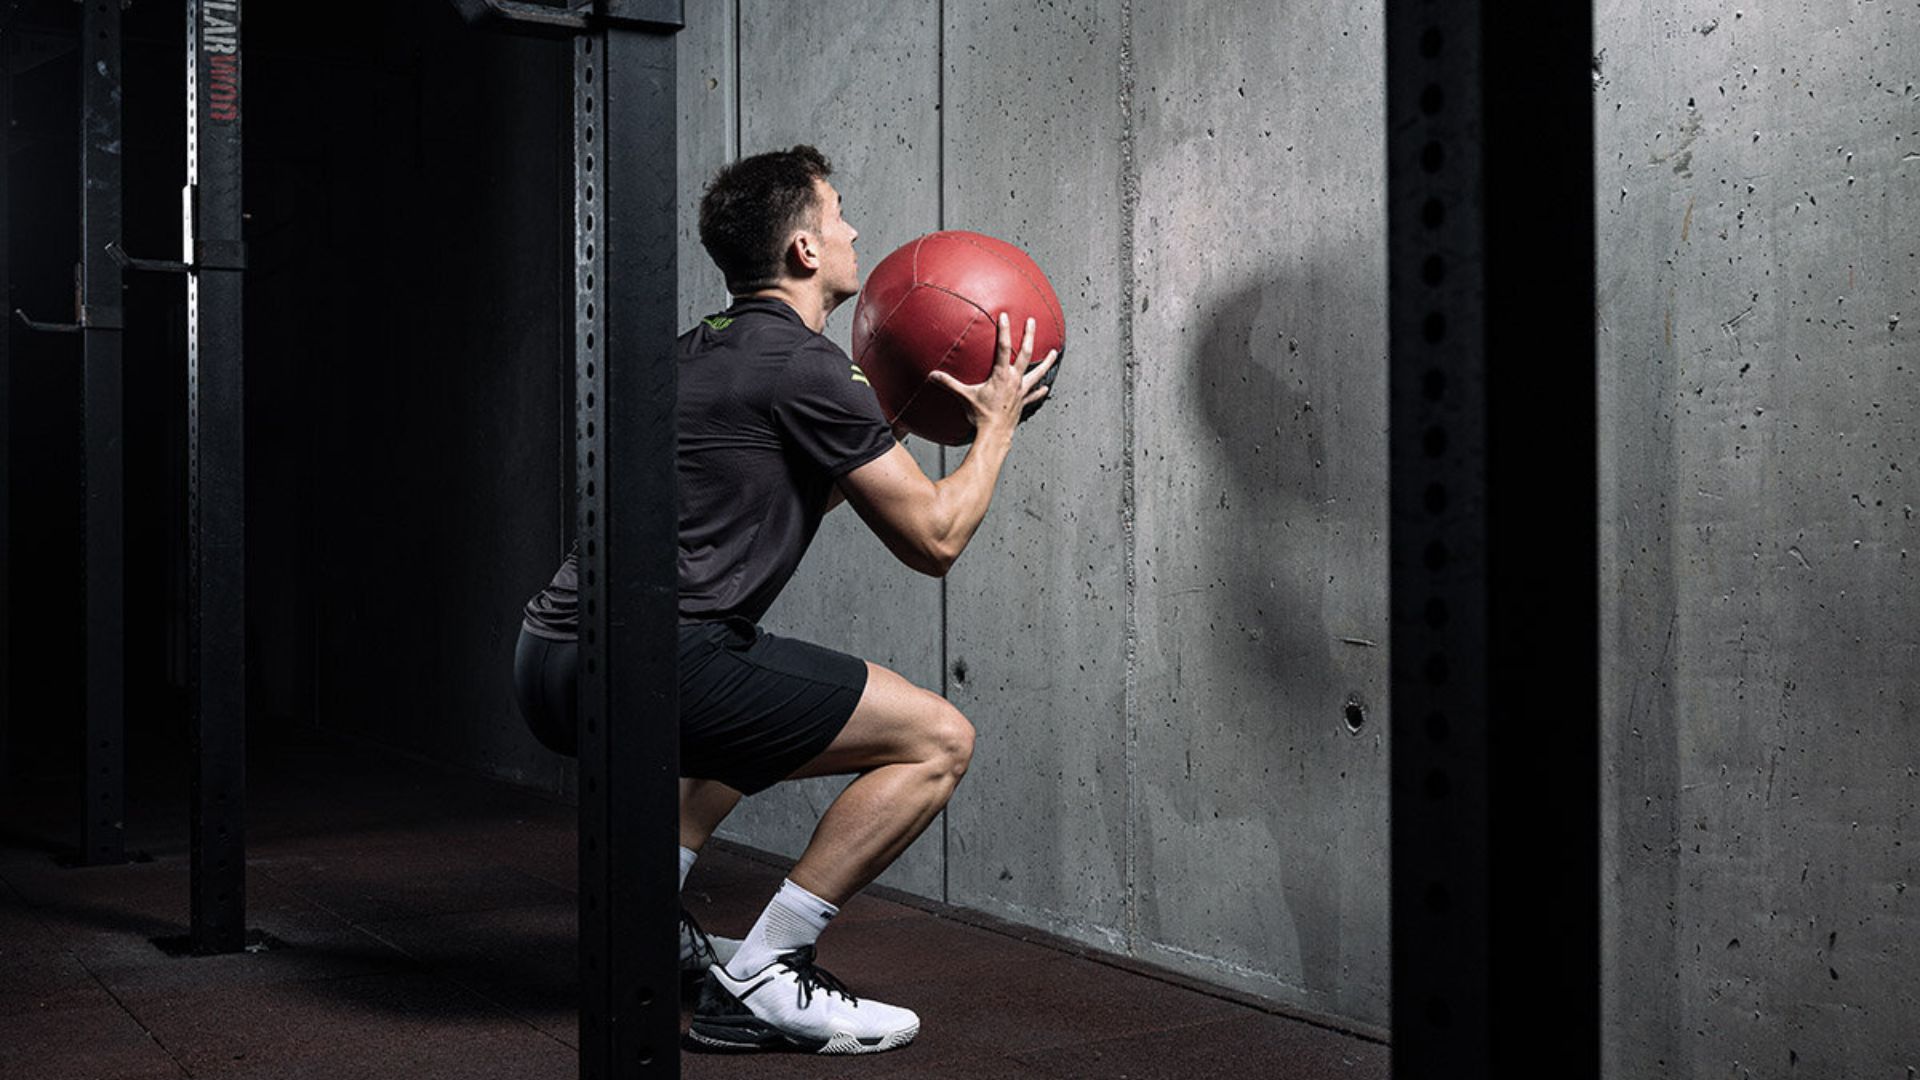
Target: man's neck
810,303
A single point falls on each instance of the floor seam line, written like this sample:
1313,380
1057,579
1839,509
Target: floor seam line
1137,1032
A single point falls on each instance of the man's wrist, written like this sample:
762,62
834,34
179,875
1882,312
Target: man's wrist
997,430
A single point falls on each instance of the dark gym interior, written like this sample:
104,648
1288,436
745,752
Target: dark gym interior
1459,585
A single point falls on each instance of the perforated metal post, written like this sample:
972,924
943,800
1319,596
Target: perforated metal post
6,402
1495,848
103,425
626,187
216,492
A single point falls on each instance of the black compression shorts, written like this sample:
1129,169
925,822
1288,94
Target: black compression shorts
754,706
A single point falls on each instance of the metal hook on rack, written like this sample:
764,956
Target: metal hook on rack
47,327
131,262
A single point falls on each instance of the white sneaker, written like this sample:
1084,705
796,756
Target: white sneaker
792,1004
700,950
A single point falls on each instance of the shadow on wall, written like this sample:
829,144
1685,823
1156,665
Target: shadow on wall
1287,503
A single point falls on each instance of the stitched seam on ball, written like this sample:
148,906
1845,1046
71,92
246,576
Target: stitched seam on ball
902,302
942,366
891,312
1059,313
970,301
984,313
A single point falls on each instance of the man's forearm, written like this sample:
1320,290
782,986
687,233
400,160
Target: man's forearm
962,497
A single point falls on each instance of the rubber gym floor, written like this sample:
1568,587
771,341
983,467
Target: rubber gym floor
421,924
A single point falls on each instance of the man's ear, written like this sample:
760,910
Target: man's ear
804,251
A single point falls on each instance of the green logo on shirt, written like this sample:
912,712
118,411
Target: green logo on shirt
718,322
858,375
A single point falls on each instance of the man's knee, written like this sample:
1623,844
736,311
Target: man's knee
952,738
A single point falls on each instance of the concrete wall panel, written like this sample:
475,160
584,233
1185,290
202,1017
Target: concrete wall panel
1261,824
862,84
709,138
1037,607
1758,239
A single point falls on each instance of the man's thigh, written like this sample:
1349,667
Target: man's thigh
755,706
894,722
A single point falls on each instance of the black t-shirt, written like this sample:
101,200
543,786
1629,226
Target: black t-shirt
770,415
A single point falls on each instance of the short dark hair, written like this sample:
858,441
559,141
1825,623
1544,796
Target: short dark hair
752,206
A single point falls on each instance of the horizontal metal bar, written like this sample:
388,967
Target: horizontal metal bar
539,20
46,327
132,262
522,18
92,318
646,14
213,255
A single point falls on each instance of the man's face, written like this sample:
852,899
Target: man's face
839,266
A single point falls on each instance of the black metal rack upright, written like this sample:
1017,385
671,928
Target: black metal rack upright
625,112
626,385
104,421
213,258
98,320
1494,549
6,396
216,463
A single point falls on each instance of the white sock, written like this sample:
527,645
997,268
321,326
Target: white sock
793,919
687,855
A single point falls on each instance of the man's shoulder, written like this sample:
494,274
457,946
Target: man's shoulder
819,365
759,331
818,348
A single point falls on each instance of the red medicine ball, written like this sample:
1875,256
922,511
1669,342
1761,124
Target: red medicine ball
934,305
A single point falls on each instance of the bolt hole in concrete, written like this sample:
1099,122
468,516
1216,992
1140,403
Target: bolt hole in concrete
1356,715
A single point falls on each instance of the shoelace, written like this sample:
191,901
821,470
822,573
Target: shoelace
702,945
800,962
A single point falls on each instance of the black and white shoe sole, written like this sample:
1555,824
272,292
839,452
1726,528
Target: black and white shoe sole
749,1033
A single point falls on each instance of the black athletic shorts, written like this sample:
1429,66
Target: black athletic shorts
754,706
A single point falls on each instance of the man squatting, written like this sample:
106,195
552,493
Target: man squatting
776,427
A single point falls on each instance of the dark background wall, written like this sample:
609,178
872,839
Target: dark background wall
407,186
45,689
408,316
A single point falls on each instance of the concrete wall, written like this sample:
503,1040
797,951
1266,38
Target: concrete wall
1759,274
1261,498
1181,587
770,81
